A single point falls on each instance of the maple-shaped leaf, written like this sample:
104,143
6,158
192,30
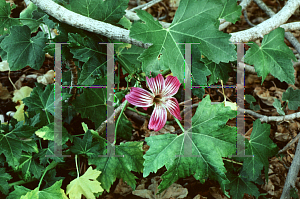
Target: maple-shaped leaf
231,11
50,178
107,11
51,192
128,58
199,69
13,142
218,71
5,19
4,177
208,140
92,104
47,133
273,56
86,145
24,50
86,185
27,14
166,53
46,153
262,147
94,55
118,167
42,101
292,97
29,166
238,186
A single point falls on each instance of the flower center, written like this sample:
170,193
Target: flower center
157,98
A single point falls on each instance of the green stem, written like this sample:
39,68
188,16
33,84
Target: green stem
79,134
50,166
285,103
20,182
233,161
119,68
181,127
76,166
138,112
119,120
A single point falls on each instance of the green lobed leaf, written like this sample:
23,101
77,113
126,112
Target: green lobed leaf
12,146
94,55
166,53
24,50
128,58
50,178
5,19
27,14
49,151
3,53
218,71
107,11
199,69
51,192
292,97
29,166
47,133
125,128
86,185
231,11
273,56
250,99
262,147
42,101
210,140
119,167
95,109
85,146
239,186
198,92
4,177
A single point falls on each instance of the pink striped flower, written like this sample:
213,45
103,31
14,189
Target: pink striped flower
161,98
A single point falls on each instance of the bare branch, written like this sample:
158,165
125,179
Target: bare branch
267,26
146,5
111,119
290,144
263,118
289,36
292,175
79,21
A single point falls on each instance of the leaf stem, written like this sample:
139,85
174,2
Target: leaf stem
178,122
165,72
21,182
138,112
116,128
76,166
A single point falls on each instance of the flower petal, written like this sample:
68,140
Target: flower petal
139,97
172,85
158,118
157,84
173,107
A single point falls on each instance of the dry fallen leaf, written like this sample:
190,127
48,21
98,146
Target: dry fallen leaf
4,93
19,95
175,191
4,66
47,78
166,129
264,95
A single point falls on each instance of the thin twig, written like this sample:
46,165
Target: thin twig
246,18
263,118
292,175
110,120
290,144
146,5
